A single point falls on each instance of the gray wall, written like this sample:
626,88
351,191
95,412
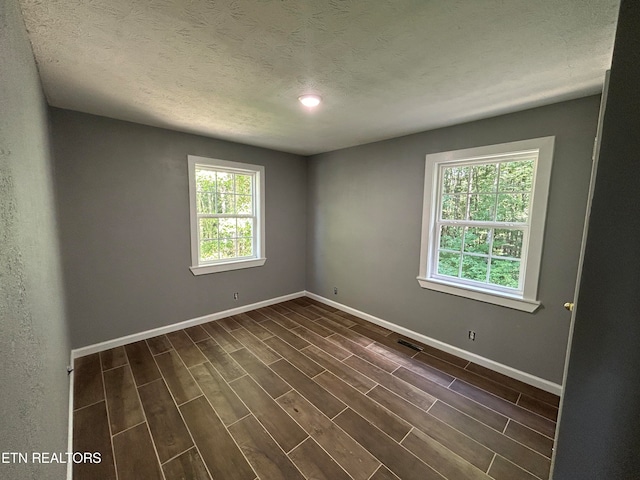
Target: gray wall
34,346
124,215
364,224
598,432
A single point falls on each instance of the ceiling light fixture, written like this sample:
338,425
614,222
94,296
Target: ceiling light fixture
310,100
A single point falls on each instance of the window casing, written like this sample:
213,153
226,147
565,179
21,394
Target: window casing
226,202
483,222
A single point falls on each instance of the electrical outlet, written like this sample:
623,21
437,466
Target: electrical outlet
236,295
472,335
335,290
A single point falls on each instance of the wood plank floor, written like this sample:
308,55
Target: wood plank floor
300,390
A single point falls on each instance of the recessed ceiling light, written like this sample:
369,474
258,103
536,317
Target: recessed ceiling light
310,100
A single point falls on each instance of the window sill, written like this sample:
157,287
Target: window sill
504,300
226,266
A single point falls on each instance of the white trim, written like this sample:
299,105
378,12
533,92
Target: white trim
473,293
225,267
583,245
485,362
117,342
525,377
526,298
71,376
259,258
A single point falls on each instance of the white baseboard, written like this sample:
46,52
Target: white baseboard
117,342
525,377
485,362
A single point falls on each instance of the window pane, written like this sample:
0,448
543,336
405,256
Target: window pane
208,228
245,247
244,205
205,180
226,206
205,202
483,178
227,228
227,248
226,203
516,176
243,184
481,207
507,243
224,183
474,268
209,250
513,207
505,273
455,180
449,264
476,240
451,237
245,227
454,207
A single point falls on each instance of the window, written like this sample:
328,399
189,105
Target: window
227,215
483,222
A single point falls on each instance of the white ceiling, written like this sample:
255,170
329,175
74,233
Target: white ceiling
233,69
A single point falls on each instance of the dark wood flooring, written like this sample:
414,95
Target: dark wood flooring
300,390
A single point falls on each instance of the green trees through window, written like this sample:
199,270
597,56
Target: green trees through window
225,210
482,220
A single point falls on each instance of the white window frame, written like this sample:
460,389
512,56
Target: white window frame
526,298
259,258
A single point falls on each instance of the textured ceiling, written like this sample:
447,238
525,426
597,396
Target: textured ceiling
233,69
